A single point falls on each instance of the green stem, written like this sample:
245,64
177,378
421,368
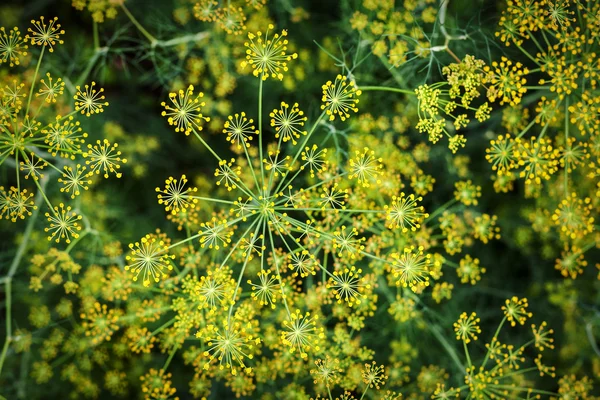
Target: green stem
239,281
386,89
566,144
487,355
206,144
365,392
467,353
442,208
37,69
164,326
260,132
166,365
8,323
13,269
449,349
527,54
75,241
139,26
509,387
96,38
88,68
195,37
282,182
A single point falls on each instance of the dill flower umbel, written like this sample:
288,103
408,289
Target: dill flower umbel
301,333
411,268
230,345
340,97
467,327
506,82
150,258
90,100
288,122
63,224
348,285
515,310
185,113
12,46
45,34
239,130
104,157
268,56
175,196
405,213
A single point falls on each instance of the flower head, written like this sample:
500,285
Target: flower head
268,56
157,384
365,167
99,322
45,34
74,180
288,122
411,268
175,196
515,310
405,213
231,345
51,90
339,98
326,371
150,258
89,101
15,204
63,224
12,46
185,113
347,285
104,157
239,130
466,327
301,333
374,375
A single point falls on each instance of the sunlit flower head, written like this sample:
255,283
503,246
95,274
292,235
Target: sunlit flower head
268,56
12,46
90,100
45,34
63,224
185,113
339,98
149,258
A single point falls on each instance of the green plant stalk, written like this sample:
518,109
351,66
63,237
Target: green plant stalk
13,269
283,183
365,392
166,365
195,37
139,26
487,356
442,208
258,223
386,89
96,39
37,69
449,349
88,68
260,133
8,322
566,144
75,241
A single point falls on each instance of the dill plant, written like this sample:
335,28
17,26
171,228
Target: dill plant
394,200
